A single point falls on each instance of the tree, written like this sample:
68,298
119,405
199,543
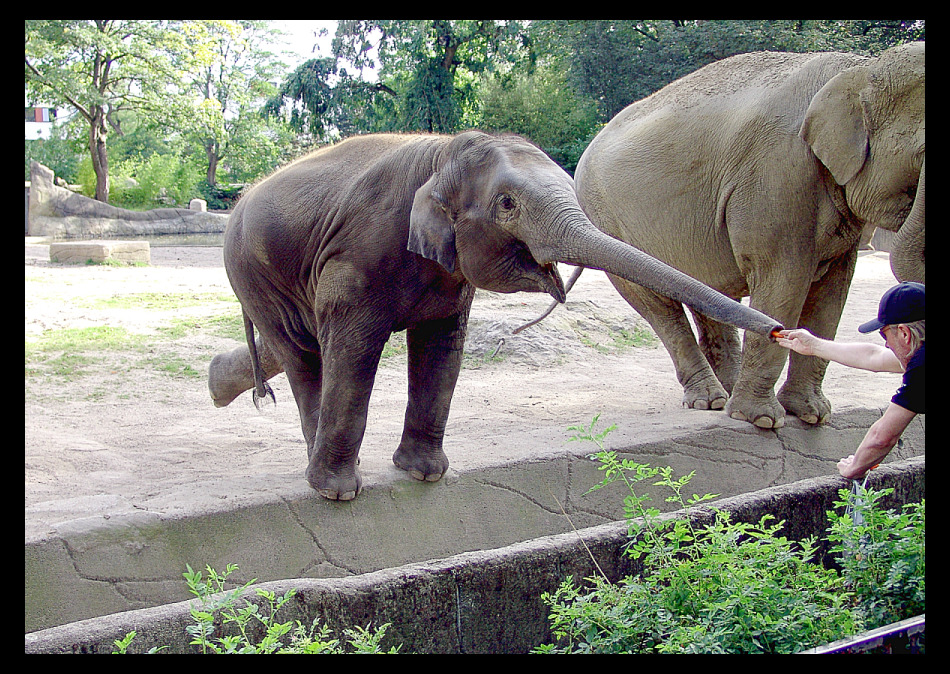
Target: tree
542,106
618,62
100,67
429,66
231,83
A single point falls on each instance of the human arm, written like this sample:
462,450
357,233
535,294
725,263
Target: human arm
860,355
877,443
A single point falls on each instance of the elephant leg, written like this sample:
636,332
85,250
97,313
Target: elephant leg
435,358
305,376
230,374
701,388
350,355
720,345
801,393
780,294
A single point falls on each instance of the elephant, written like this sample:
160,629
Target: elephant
756,175
389,232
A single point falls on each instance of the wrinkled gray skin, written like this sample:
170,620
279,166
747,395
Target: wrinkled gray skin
756,175
378,234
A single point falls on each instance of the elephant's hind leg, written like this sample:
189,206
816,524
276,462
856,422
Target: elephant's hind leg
230,374
701,388
722,348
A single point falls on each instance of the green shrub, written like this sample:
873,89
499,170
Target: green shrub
226,607
882,555
735,587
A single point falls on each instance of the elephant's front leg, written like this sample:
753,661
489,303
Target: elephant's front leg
780,295
435,358
350,356
801,393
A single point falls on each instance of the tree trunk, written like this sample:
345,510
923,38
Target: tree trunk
100,156
213,158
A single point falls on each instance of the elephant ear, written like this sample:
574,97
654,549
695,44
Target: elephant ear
835,127
431,232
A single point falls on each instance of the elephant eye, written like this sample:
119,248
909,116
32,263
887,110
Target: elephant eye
506,203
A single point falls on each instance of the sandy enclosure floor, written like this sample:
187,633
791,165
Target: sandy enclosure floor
130,423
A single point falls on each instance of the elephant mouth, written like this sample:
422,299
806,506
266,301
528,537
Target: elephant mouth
546,276
550,282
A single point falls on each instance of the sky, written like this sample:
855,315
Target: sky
301,40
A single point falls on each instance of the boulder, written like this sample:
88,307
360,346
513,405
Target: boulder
82,252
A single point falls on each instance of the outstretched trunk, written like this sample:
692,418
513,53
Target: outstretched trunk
578,242
907,256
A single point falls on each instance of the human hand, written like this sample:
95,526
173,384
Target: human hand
847,469
798,340
850,469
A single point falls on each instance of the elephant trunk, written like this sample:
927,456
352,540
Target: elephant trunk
580,243
907,255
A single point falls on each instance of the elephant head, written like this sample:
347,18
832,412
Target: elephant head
866,125
498,210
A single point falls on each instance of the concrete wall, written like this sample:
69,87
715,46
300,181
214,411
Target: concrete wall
477,602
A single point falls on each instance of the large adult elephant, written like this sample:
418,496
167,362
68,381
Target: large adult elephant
756,175
383,233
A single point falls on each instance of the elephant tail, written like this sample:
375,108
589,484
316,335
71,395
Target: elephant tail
261,388
570,284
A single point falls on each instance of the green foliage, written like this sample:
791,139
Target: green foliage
543,107
161,180
615,63
203,85
256,628
428,67
734,587
882,555
57,153
309,86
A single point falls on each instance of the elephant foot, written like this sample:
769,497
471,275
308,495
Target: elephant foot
705,395
223,385
339,485
428,465
766,413
811,407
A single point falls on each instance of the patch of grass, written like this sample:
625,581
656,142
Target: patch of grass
396,346
621,340
73,353
112,262
157,301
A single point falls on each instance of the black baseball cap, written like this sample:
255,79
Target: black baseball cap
904,303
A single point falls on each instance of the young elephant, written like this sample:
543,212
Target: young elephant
383,233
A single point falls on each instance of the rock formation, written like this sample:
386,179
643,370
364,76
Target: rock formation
62,214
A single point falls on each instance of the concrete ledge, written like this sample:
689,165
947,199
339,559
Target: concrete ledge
100,555
477,602
82,252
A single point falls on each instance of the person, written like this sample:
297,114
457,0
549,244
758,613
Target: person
900,321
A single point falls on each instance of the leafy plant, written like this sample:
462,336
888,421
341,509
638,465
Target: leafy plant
217,605
732,587
882,555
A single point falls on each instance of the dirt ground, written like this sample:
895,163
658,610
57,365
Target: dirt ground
132,425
